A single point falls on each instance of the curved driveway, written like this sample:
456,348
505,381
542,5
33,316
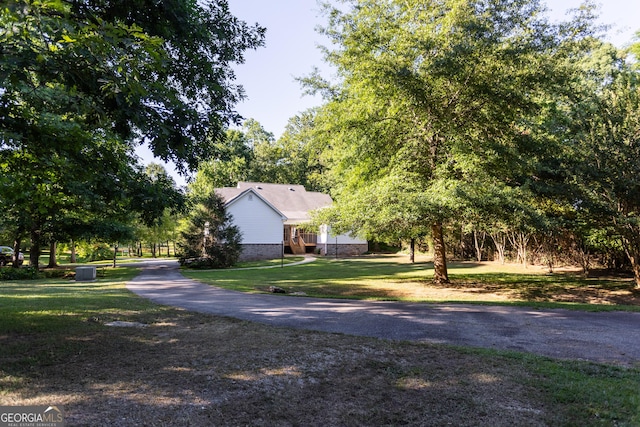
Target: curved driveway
607,337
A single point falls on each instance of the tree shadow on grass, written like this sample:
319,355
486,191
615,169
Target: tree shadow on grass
191,369
560,287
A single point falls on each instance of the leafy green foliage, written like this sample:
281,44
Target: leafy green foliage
229,166
254,155
93,251
131,68
605,170
210,240
634,49
83,83
439,110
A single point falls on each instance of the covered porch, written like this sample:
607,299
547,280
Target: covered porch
298,240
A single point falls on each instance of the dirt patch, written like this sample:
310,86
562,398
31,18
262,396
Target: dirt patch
190,369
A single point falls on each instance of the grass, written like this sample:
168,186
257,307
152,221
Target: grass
393,278
269,263
59,304
191,369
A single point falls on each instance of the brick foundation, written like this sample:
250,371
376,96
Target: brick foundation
344,250
254,252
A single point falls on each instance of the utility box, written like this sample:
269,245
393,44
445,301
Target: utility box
85,274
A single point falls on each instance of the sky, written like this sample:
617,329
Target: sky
291,51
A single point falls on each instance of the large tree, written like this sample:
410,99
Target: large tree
253,154
291,159
442,101
606,150
82,83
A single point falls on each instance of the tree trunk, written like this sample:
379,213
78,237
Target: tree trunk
412,251
548,248
115,254
462,249
636,275
53,260
440,274
500,242
16,252
584,259
479,244
633,253
34,253
73,252
635,265
520,241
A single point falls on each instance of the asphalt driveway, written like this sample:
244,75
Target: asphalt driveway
606,337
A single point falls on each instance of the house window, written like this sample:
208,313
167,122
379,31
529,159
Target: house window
251,197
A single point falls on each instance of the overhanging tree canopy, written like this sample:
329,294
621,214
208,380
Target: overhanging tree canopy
82,83
146,71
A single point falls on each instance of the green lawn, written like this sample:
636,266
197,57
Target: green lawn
270,263
393,278
54,305
188,368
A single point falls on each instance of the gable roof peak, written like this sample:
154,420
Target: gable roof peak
293,201
244,185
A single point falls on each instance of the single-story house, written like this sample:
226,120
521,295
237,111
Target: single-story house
272,219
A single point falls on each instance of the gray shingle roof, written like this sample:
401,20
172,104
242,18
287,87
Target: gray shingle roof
293,201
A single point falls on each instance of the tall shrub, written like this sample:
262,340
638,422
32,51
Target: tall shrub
210,240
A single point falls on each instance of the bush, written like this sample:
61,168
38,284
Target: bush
23,273
221,247
87,252
219,256
199,263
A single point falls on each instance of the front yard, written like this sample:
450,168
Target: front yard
183,368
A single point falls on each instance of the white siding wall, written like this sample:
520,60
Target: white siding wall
325,237
258,222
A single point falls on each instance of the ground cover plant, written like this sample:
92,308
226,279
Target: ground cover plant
182,368
394,278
